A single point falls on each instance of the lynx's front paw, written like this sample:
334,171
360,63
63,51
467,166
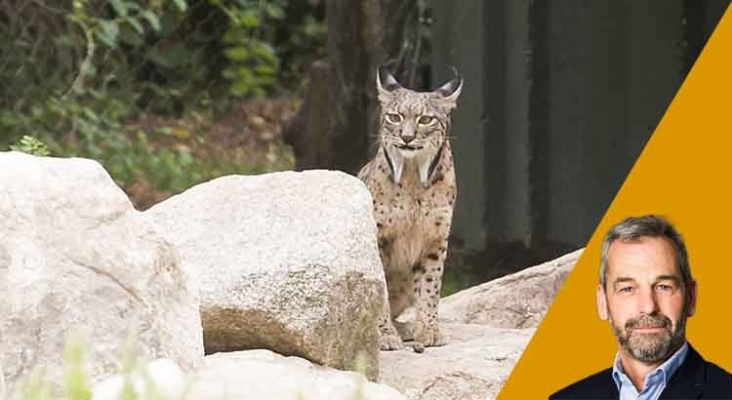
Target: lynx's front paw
390,342
428,335
389,338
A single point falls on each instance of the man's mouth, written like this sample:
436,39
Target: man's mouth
648,328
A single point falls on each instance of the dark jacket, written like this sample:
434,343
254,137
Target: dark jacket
695,378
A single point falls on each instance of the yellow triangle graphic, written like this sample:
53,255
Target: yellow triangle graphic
685,174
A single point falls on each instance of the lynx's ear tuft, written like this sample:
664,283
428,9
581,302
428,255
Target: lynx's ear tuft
451,90
385,81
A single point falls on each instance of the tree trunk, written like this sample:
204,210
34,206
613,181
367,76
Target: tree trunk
335,126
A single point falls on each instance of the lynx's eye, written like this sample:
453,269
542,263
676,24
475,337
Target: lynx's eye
393,118
425,120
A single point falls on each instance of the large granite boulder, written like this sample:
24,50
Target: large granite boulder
287,261
76,257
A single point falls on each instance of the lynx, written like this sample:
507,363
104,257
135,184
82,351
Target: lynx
412,182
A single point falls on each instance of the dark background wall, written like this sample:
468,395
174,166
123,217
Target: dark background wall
560,98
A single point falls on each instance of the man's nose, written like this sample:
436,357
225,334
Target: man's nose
647,301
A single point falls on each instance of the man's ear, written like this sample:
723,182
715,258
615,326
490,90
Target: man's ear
601,303
691,293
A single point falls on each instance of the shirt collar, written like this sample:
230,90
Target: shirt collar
666,369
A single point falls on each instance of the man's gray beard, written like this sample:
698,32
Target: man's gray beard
650,347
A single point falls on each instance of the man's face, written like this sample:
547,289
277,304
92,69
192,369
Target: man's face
645,298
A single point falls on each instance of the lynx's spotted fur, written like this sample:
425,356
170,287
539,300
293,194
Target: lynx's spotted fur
412,182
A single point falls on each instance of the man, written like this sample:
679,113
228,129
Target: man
646,292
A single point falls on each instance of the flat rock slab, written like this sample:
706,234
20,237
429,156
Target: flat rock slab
518,300
472,366
264,375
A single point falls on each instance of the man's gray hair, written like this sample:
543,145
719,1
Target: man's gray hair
633,229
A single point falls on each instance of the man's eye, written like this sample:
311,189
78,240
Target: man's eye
664,287
626,289
425,120
393,118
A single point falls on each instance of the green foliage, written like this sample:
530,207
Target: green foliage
162,53
306,43
76,386
127,368
253,61
157,158
360,367
31,145
36,387
93,128
77,73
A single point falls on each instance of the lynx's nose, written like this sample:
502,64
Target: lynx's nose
407,138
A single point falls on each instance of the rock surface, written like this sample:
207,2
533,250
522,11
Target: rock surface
264,375
162,377
76,257
287,261
488,327
284,261
518,300
473,365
